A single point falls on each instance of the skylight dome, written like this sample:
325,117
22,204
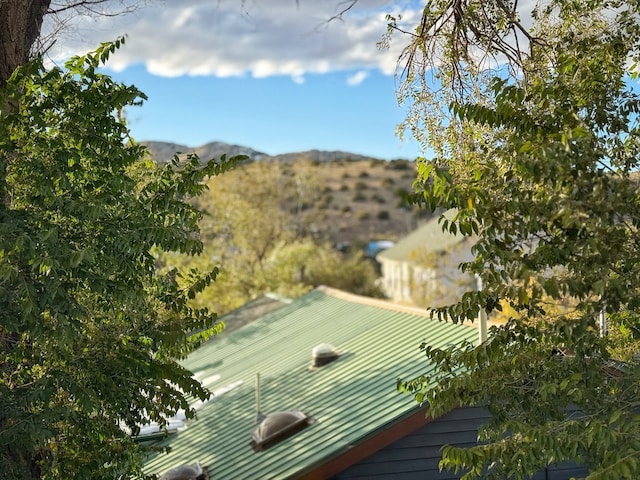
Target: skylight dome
185,472
322,354
276,427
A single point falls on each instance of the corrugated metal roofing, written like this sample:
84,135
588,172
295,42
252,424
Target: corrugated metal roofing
350,399
427,238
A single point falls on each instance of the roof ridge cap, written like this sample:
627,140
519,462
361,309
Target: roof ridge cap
374,302
378,302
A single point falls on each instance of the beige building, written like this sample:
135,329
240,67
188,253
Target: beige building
422,268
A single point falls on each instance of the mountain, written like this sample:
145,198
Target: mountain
320,156
164,151
353,199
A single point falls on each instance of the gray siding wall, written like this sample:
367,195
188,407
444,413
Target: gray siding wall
416,456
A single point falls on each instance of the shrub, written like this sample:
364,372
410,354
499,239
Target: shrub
398,165
358,197
379,198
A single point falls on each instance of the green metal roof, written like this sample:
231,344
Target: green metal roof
428,238
350,399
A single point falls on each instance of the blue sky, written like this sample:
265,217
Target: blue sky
272,75
273,115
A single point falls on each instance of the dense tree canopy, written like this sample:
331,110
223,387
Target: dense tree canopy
90,331
536,141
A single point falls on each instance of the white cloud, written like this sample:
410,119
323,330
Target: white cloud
357,78
260,38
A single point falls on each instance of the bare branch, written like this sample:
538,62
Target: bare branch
90,7
73,5
344,7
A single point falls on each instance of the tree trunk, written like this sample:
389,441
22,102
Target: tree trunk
20,23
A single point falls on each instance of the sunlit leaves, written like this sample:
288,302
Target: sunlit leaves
548,153
90,330
266,242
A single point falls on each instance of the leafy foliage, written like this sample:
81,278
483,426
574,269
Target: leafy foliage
265,242
541,161
89,330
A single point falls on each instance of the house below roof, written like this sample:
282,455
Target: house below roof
422,268
416,454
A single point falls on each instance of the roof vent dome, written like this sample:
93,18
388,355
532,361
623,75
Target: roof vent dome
323,354
185,472
276,427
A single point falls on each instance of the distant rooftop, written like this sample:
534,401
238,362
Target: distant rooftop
427,238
